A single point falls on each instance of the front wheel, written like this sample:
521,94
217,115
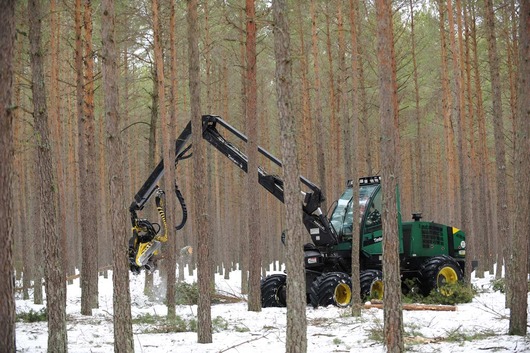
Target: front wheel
372,286
333,288
274,291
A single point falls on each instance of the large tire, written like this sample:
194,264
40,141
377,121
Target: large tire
274,291
371,282
333,288
438,271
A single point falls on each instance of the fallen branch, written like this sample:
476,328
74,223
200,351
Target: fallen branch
379,305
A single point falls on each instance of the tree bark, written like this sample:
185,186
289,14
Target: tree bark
296,296
253,187
503,214
519,282
123,337
7,290
171,123
87,151
321,140
352,166
388,111
54,273
201,217
450,179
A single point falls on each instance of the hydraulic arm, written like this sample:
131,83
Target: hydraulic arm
146,242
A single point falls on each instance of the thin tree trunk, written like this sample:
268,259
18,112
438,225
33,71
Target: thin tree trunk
388,111
7,290
55,283
253,188
296,296
450,180
519,282
89,219
321,140
123,337
200,208
352,170
172,241
308,153
334,129
55,118
503,214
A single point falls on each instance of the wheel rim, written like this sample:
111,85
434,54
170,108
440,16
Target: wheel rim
447,275
377,289
342,294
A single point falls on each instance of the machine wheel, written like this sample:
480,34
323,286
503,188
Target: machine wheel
274,291
333,288
372,286
438,271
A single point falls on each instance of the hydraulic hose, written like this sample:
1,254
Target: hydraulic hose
183,206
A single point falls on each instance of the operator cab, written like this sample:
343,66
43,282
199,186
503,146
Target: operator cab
369,207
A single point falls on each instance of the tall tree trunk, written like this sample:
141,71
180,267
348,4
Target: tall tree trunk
171,122
7,290
484,183
503,214
168,153
55,118
151,162
352,166
419,195
201,217
388,111
87,151
519,282
55,283
123,337
308,152
459,118
321,140
296,296
38,243
334,129
253,188
450,179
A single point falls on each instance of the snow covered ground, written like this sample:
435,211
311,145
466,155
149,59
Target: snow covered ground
480,326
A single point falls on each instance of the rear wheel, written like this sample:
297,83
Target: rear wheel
372,286
274,291
333,288
438,272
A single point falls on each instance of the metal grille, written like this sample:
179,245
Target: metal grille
432,235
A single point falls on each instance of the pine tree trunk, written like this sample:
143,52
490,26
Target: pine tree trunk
334,129
253,188
519,282
296,294
123,337
352,170
321,140
171,255
200,215
503,214
89,219
54,274
388,111
7,290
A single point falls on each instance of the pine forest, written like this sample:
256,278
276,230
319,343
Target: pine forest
431,95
